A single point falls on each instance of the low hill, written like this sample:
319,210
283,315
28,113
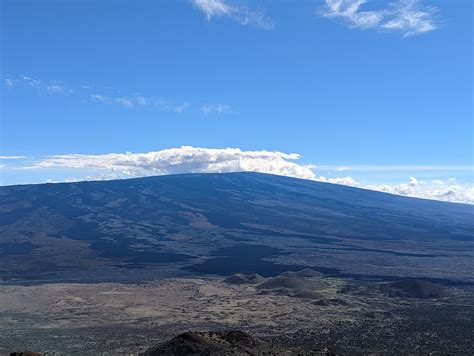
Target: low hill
414,288
224,343
212,344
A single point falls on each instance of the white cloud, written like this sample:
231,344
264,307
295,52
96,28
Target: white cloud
9,82
50,87
181,108
241,14
186,159
125,102
392,168
411,19
405,16
339,180
31,81
55,88
216,109
12,157
349,10
98,98
141,100
212,8
115,97
160,103
446,190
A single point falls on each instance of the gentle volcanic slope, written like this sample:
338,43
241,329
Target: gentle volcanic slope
240,222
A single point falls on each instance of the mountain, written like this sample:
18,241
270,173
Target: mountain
225,224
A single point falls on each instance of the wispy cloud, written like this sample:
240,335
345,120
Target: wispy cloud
49,87
411,19
408,17
9,82
31,81
12,157
181,108
393,168
55,88
216,109
110,96
141,101
350,11
124,102
239,13
98,98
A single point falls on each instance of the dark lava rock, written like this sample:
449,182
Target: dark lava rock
307,272
285,281
25,353
306,295
330,302
214,344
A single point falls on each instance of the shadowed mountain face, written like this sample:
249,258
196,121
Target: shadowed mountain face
225,224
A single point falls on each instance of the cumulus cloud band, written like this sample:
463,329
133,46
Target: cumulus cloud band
187,159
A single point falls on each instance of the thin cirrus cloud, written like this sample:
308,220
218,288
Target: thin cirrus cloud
240,13
131,102
188,159
394,168
12,157
87,93
51,87
408,17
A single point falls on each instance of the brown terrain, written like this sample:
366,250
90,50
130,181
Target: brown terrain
289,312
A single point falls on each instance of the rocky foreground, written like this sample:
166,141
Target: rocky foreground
223,343
298,312
211,343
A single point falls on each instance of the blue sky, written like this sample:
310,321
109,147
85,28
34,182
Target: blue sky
342,83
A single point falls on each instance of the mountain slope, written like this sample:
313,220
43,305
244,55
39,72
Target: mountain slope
219,223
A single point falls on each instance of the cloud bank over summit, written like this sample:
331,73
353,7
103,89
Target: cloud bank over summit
188,159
